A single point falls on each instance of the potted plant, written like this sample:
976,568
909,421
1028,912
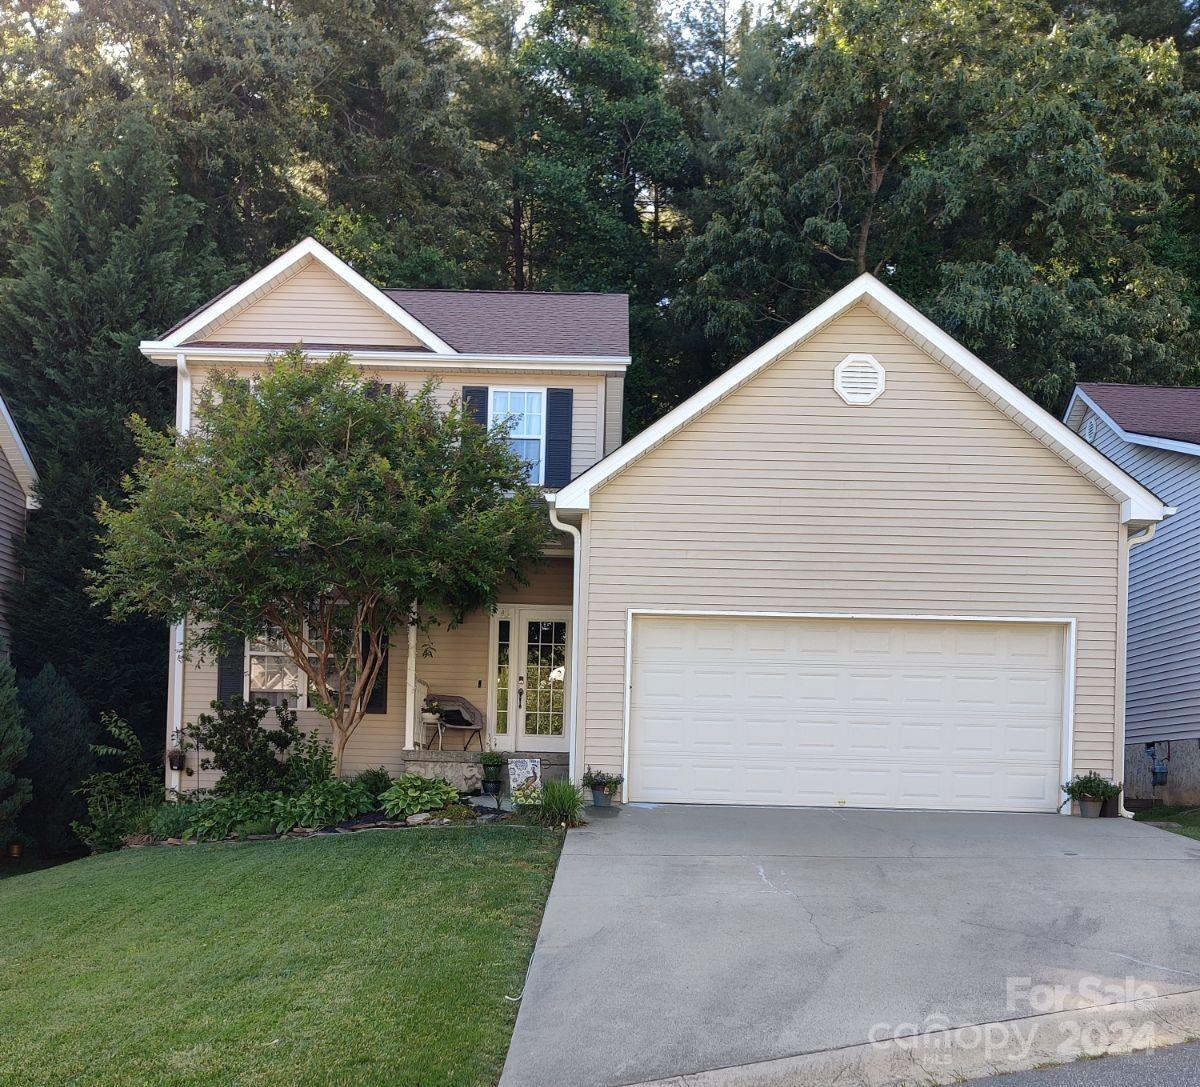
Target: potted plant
177,752
493,772
602,785
1090,791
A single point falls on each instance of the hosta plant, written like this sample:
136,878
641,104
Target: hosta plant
412,794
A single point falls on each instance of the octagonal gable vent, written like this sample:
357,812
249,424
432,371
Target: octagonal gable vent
859,379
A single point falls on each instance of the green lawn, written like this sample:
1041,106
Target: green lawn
1188,819
375,958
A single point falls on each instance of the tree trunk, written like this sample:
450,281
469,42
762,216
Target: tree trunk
518,243
339,747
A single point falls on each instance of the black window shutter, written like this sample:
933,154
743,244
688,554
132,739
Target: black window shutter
231,672
558,437
475,403
377,699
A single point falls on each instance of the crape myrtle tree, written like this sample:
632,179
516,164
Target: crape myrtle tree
311,507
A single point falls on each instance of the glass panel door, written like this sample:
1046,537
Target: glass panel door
531,682
545,678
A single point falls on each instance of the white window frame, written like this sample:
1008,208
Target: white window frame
541,391
301,693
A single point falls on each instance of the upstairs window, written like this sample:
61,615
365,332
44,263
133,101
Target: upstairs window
524,412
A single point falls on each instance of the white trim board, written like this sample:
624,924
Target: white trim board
1137,503
21,463
398,359
1079,396
1068,623
308,249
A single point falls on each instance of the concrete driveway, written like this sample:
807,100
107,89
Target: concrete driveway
680,939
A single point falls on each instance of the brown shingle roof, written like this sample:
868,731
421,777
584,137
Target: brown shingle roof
522,322
1158,411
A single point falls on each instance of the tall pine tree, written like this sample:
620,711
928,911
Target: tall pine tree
117,256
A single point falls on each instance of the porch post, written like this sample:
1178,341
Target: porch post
410,691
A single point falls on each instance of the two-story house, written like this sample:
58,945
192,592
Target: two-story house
858,568
553,363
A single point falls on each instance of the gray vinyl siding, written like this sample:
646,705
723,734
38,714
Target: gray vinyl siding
1163,662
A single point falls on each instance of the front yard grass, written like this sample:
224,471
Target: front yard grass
1187,817
373,958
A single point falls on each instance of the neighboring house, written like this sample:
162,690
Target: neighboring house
1153,433
859,568
18,495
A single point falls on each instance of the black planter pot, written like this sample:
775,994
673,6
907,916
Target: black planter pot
176,760
492,788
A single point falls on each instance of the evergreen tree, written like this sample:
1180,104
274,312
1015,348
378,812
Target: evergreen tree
14,742
602,156
60,756
1016,198
116,257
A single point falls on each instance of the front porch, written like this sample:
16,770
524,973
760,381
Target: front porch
498,682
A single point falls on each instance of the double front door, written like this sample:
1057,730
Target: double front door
529,702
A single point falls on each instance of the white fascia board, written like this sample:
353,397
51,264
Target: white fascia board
309,247
23,468
160,352
1079,396
1139,504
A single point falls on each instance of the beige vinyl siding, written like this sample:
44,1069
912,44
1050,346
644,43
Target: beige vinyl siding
781,497
458,665
614,408
587,410
460,662
12,528
314,306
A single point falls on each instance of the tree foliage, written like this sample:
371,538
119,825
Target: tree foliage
317,508
14,743
117,257
60,756
1006,172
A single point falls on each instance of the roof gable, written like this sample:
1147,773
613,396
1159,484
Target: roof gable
227,306
1160,416
1137,503
310,305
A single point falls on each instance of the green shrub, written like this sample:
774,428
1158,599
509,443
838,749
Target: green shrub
234,740
123,795
219,817
325,804
171,819
376,781
310,764
562,804
1091,786
60,756
412,794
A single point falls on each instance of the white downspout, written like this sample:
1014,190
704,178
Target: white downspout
1145,536
183,423
577,541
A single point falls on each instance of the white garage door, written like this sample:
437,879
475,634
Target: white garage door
948,715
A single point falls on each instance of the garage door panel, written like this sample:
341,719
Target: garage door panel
945,715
